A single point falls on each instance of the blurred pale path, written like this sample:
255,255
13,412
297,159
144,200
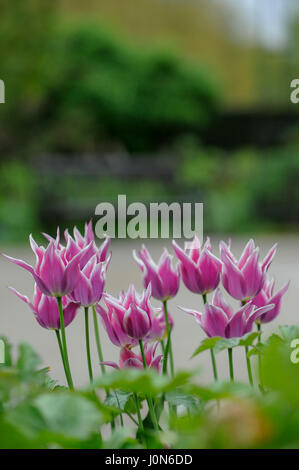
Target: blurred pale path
18,323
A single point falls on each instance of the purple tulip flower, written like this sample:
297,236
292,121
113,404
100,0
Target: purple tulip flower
57,270
129,359
90,285
219,318
79,242
200,269
266,297
136,322
46,311
54,274
164,279
243,279
128,315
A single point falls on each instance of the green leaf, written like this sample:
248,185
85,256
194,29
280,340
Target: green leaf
118,399
122,438
13,438
179,398
219,390
27,419
289,332
158,407
28,360
219,344
207,343
259,348
7,352
245,340
142,381
42,378
68,414
279,371
255,350
181,378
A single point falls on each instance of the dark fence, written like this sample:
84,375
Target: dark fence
86,173
230,131
234,129
117,165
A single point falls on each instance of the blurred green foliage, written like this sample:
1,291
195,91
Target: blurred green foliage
244,190
27,27
73,86
78,87
210,32
109,91
19,201
35,412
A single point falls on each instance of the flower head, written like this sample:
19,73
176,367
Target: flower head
54,274
244,278
78,242
266,296
130,359
130,318
136,322
200,269
164,279
46,311
219,319
57,270
90,285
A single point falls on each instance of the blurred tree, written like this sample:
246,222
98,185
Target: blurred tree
201,30
108,91
209,32
72,87
25,39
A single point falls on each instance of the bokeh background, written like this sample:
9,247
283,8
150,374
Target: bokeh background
161,100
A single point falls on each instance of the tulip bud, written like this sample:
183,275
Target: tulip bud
136,322
200,269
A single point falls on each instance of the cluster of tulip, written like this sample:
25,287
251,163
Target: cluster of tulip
72,275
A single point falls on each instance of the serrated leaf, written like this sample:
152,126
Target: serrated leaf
42,377
68,414
246,340
142,381
219,390
118,399
28,360
179,398
259,347
219,344
289,332
207,343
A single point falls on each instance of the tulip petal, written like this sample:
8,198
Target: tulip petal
255,315
269,258
232,278
218,301
236,326
248,250
213,321
253,275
